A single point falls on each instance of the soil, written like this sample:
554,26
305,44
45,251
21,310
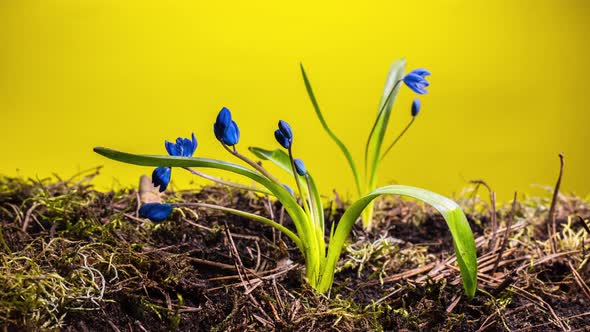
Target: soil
76,259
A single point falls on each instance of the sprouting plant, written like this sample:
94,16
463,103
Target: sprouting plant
416,81
320,248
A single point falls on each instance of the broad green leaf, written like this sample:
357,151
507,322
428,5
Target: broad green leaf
463,241
277,157
304,231
375,139
333,136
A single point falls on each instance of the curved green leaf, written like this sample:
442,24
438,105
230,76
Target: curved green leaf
333,136
375,139
463,241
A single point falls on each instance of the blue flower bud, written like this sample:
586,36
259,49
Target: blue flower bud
183,147
226,130
285,129
300,167
155,212
289,190
283,141
416,82
161,177
415,107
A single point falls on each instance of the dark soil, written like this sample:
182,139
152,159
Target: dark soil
75,259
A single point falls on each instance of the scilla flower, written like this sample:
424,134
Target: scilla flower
415,80
284,135
415,107
226,130
155,212
184,147
300,167
161,177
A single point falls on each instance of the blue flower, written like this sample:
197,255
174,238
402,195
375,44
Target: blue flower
161,177
300,167
284,135
155,212
415,80
183,147
415,107
226,130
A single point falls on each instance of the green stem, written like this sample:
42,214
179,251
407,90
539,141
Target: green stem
252,163
397,138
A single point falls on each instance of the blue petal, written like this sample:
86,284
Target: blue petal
173,149
231,136
161,177
224,117
194,143
300,167
223,123
285,129
416,83
155,212
420,72
218,130
416,107
283,141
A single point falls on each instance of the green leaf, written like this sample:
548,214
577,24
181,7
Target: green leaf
375,139
305,233
333,136
463,241
277,157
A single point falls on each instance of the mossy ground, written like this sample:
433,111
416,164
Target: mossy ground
75,259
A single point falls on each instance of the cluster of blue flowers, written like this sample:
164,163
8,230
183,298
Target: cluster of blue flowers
227,132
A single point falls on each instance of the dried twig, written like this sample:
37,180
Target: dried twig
506,234
494,220
551,228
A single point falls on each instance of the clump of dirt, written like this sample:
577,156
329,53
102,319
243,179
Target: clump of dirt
76,259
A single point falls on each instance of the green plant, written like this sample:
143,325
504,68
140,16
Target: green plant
320,248
416,81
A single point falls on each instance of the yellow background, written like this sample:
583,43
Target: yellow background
508,88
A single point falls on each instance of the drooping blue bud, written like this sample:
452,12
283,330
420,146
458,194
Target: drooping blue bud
226,130
289,190
283,141
415,107
155,212
285,129
416,82
300,167
161,177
